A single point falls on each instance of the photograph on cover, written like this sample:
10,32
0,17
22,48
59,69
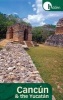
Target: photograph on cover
31,47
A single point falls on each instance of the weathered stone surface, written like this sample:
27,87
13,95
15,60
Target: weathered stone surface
59,27
57,38
19,32
16,65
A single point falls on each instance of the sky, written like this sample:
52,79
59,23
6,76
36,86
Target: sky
30,11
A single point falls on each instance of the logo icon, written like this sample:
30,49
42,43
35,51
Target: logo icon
47,6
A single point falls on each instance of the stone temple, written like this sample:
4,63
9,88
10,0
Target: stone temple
57,38
20,32
59,27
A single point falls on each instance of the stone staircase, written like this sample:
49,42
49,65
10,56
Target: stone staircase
55,40
22,42
29,43
25,44
18,66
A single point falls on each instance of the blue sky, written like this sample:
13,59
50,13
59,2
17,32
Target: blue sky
30,11
21,7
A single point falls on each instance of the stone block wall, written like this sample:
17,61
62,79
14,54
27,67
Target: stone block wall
59,27
17,32
30,37
59,30
57,38
9,34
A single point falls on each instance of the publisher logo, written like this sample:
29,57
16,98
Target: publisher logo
47,5
52,5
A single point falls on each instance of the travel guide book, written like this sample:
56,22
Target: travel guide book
31,50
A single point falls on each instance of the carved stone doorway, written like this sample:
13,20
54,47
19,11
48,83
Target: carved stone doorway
11,33
25,34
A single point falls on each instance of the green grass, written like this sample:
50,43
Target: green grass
49,62
1,47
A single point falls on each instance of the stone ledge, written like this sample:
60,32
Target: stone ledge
18,66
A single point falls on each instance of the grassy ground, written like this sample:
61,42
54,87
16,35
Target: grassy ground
1,47
49,62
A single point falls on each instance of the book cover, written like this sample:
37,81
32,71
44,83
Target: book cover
31,50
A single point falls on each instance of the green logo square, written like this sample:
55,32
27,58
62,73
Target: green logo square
52,5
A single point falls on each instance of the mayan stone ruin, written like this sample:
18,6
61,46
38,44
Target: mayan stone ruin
57,38
20,33
59,27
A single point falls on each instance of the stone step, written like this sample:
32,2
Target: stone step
55,40
29,43
18,66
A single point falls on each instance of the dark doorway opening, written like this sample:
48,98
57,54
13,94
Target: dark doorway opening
25,34
11,33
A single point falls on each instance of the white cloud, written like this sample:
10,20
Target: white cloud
29,3
26,20
33,5
39,6
53,15
35,19
40,16
42,23
55,22
15,13
34,9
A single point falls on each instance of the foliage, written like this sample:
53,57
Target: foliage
8,20
41,33
37,36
